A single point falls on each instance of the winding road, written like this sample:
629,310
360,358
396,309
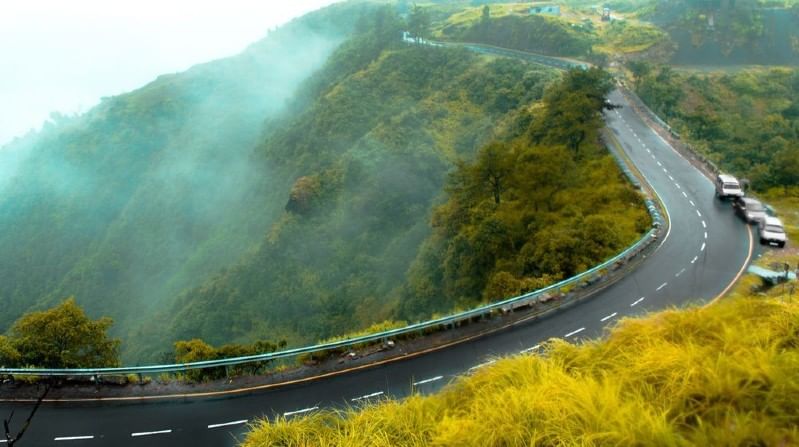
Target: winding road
706,249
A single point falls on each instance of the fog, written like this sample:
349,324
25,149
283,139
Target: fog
154,190
64,56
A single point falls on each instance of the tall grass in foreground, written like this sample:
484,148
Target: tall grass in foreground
723,375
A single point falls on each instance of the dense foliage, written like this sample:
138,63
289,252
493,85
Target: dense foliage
196,350
155,190
216,207
525,212
369,157
684,377
61,337
535,33
746,121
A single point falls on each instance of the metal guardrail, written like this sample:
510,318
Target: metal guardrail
589,276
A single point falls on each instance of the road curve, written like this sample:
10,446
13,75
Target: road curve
705,250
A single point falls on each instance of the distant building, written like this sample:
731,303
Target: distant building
606,14
545,8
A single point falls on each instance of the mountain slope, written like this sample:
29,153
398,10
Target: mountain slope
152,191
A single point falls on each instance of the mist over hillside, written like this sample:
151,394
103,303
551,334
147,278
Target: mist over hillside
153,190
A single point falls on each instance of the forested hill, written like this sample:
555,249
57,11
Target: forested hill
152,191
372,156
396,181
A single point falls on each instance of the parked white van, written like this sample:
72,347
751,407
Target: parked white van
728,186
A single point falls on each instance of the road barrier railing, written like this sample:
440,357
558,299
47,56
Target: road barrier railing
544,295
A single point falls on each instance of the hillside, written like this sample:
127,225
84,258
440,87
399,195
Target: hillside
747,121
153,190
719,375
329,178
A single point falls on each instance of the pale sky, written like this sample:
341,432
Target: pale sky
58,55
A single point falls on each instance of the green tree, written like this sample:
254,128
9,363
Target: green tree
486,17
63,337
786,167
8,354
493,169
419,23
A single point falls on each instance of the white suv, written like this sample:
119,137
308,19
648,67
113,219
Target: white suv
728,186
771,231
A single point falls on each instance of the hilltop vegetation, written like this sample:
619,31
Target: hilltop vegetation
677,377
746,121
218,208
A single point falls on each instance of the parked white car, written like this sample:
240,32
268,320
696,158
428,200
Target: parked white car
772,232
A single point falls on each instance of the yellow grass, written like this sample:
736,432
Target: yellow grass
727,374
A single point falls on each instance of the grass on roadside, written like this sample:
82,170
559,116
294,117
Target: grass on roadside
721,375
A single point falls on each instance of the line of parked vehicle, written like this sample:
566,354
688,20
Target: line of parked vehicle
769,228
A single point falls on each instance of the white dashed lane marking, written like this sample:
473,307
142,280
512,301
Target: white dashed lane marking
433,379
304,410
696,258
609,317
703,247
482,365
534,348
636,302
150,433
662,286
68,438
572,333
228,424
679,273
367,396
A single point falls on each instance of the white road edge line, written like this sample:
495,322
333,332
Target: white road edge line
67,438
636,302
304,410
150,433
227,424
368,396
661,287
609,317
433,379
574,332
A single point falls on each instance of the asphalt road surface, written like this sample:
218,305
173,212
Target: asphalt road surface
706,248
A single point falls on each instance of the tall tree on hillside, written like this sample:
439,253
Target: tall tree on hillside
786,167
63,337
493,168
419,23
573,109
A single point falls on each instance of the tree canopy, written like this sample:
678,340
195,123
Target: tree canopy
60,337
